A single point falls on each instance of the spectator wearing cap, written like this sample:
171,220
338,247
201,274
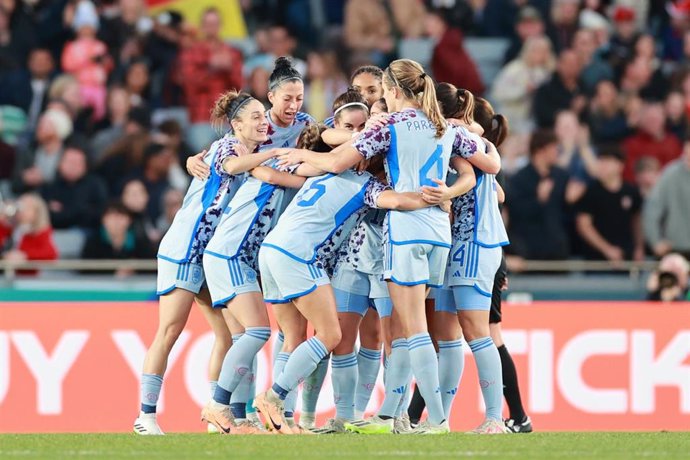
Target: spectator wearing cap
651,139
529,24
594,68
666,214
87,58
208,68
673,34
608,215
561,92
536,208
607,121
622,43
515,85
28,88
77,197
154,175
450,62
37,166
116,239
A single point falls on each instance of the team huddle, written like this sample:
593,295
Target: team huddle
349,225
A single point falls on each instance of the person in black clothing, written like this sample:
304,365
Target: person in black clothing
116,239
562,92
537,202
529,24
76,198
608,215
154,175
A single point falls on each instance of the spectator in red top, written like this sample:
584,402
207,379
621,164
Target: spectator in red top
29,232
450,62
651,140
208,68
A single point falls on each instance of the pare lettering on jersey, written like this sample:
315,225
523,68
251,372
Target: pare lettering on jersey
419,125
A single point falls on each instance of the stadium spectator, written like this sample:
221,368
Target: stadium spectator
652,139
37,166
622,44
172,131
647,171
325,82
64,92
529,24
608,215
369,31
162,48
136,83
17,35
123,22
606,117
536,201
514,87
594,68
156,162
116,239
27,88
172,202
112,128
28,234
564,22
76,198
562,92
208,67
257,85
450,62
669,282
676,115
136,199
673,32
87,58
575,154
666,213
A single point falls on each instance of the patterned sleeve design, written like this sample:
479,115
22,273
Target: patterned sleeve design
374,188
373,141
225,151
465,143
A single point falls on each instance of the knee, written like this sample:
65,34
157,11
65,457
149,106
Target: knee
475,329
168,334
331,339
222,341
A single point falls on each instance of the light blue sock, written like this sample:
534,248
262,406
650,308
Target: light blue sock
278,345
368,365
488,362
405,399
278,366
302,362
397,377
238,361
451,363
425,369
240,393
252,388
344,377
150,390
212,384
311,388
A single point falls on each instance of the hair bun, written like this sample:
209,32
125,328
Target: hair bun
283,61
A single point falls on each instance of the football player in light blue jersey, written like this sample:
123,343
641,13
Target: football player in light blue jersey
325,209
180,271
417,144
478,237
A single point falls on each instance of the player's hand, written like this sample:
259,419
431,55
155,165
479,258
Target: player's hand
362,165
436,195
445,206
196,167
290,157
377,121
240,149
504,286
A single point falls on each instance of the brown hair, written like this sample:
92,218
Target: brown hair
228,106
310,138
349,97
541,139
417,86
455,102
495,125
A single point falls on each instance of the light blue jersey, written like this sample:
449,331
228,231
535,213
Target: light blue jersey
322,215
414,157
364,248
279,137
330,122
203,205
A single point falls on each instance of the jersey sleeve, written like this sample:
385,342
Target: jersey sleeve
374,188
225,150
373,141
465,143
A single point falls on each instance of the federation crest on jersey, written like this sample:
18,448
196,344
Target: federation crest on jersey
250,275
196,274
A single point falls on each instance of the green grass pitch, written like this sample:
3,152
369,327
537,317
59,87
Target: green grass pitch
453,446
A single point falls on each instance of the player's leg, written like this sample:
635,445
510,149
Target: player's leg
451,361
368,356
417,404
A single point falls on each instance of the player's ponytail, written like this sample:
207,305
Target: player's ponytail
228,106
455,103
417,86
310,138
495,125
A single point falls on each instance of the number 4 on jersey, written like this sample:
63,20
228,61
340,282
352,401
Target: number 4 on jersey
435,161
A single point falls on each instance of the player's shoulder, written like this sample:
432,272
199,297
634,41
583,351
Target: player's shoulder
304,118
402,116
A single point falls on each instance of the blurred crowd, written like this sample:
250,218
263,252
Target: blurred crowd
101,102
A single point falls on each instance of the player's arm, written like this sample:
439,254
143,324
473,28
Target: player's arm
464,183
336,136
274,177
501,193
407,201
243,163
488,161
336,161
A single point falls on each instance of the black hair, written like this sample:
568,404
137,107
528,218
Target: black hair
540,139
351,96
370,69
283,72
